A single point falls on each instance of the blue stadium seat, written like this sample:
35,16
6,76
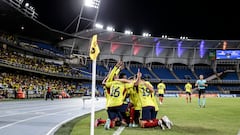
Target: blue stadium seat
183,73
163,73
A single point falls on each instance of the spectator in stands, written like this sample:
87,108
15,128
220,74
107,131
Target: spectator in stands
161,91
35,63
188,90
201,84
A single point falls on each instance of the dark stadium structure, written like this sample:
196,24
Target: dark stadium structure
34,50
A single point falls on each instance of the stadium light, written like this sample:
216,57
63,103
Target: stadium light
99,26
110,28
164,36
92,3
26,5
128,32
31,8
146,34
183,37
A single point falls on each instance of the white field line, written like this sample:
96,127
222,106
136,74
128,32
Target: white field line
119,131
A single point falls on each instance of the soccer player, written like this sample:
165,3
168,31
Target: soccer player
188,90
161,90
201,84
145,90
116,97
110,77
135,106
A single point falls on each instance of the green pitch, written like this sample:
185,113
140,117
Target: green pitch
220,117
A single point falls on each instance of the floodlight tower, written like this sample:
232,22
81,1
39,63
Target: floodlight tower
95,4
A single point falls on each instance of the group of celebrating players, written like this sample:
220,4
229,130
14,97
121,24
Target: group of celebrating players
131,102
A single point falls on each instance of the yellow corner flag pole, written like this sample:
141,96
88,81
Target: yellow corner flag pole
93,53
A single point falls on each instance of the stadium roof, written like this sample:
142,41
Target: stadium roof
111,43
169,42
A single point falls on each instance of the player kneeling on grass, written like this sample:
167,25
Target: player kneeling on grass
145,91
117,95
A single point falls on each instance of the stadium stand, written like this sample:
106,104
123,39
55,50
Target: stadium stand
44,53
183,72
162,72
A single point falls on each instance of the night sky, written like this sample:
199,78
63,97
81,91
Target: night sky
195,19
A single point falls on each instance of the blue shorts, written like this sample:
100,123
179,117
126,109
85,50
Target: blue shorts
124,108
155,115
114,112
148,113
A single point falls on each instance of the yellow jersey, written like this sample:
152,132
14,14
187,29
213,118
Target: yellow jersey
155,102
161,88
106,93
114,71
188,87
117,92
134,98
145,95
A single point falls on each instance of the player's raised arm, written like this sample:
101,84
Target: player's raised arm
114,71
105,79
139,75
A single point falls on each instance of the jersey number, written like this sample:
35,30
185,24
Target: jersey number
146,92
115,92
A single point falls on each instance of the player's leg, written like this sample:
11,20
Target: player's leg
112,115
99,121
147,117
154,121
131,117
122,110
108,121
199,97
122,114
187,96
160,99
136,118
204,99
160,124
167,122
190,97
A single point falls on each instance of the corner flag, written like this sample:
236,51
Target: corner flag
93,53
94,49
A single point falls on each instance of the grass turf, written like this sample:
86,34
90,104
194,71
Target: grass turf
221,116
